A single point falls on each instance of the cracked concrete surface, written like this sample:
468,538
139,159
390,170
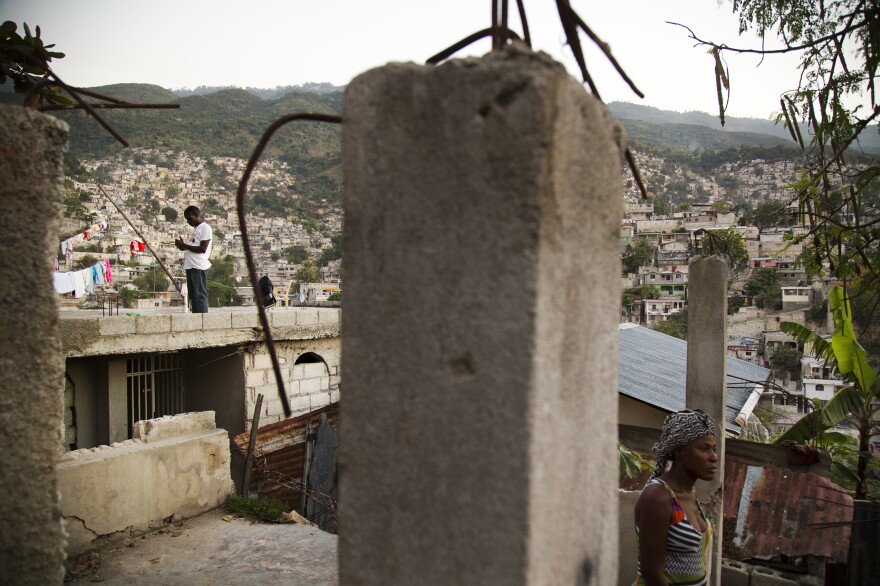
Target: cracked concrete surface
208,550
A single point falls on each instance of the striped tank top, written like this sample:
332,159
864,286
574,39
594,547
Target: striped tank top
687,550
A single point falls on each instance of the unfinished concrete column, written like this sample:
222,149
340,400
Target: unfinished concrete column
31,370
483,201
707,375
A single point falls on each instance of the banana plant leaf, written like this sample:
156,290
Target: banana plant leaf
844,402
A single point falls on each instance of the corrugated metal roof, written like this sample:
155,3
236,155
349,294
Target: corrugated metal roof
652,368
279,450
771,512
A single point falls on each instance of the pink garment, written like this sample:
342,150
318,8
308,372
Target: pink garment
109,277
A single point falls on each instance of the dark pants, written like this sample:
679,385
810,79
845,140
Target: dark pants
197,289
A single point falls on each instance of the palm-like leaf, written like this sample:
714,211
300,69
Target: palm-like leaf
804,335
844,402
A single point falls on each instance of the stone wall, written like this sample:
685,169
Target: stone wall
309,385
177,465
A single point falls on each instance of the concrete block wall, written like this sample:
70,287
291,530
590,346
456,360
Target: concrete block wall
309,386
483,181
752,327
113,335
177,465
31,371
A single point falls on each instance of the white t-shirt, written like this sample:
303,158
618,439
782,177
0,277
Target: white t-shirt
198,260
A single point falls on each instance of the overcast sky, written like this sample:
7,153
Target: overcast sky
269,43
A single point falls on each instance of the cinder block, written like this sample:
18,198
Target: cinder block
283,319
272,406
734,575
269,419
262,360
313,385
153,324
301,404
186,322
245,320
307,317
328,316
255,378
216,320
320,400
268,391
765,577
116,326
334,396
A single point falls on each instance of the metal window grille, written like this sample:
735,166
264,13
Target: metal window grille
155,386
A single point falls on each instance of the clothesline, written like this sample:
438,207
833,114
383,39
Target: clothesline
83,282
83,236
67,245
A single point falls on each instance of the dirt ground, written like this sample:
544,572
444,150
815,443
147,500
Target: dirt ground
210,550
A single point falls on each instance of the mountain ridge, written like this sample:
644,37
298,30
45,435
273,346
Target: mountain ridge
869,139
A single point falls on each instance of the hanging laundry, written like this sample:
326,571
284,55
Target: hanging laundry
62,282
79,285
83,282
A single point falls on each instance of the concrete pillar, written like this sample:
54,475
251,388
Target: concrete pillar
707,375
31,370
478,432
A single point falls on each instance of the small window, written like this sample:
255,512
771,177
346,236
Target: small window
820,388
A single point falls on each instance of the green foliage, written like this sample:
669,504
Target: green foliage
768,214
335,296
260,509
73,206
332,253
630,463
786,360
838,46
733,304
764,287
169,213
662,207
637,255
817,312
676,325
649,292
855,404
25,60
306,273
127,296
154,280
87,260
727,243
295,254
222,283
722,207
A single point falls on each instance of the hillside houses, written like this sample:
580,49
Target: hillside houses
144,182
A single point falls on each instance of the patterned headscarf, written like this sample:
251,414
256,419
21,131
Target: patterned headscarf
679,429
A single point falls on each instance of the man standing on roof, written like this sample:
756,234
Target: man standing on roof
196,252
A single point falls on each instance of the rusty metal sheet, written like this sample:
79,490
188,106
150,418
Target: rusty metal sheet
279,453
287,431
772,512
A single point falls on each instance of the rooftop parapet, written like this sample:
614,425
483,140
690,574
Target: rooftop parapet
162,332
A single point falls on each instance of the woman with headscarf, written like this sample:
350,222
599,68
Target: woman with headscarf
674,535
